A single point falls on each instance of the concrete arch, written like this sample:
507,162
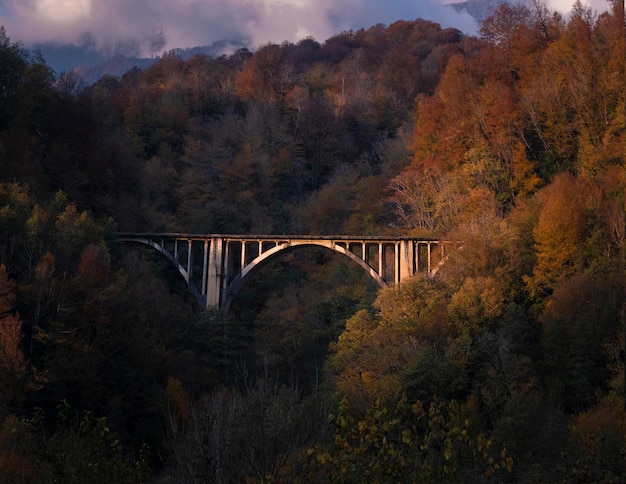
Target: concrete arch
225,269
255,265
183,272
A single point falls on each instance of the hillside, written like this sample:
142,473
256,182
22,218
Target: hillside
507,365
91,62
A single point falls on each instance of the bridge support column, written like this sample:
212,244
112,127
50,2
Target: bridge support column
396,263
215,272
429,258
407,254
189,259
224,270
205,267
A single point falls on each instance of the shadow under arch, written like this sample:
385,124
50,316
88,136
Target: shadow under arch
170,257
215,273
274,253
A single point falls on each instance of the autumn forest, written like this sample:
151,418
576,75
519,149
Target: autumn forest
506,366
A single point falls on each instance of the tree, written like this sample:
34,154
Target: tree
580,320
408,443
560,233
373,354
264,76
88,450
25,87
400,73
253,434
596,442
13,365
18,452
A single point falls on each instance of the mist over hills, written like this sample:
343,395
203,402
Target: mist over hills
91,62
479,9
506,367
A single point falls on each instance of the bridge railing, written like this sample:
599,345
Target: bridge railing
214,264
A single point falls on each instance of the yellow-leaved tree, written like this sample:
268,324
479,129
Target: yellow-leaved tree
560,233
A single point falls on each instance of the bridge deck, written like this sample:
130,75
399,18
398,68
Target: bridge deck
215,266
189,236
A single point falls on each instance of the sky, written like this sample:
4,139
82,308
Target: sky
153,26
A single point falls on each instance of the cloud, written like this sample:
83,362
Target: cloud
63,11
565,6
155,25
148,27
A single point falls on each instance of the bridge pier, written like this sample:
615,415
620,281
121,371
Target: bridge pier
223,270
407,259
215,273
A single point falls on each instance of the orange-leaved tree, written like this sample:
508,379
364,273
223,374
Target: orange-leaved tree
560,234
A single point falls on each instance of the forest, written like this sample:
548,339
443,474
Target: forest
507,366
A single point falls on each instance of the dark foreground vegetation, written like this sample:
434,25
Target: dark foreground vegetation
508,366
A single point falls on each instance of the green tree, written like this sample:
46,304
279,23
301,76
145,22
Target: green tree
409,442
580,319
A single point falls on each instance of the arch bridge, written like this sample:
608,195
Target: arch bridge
216,266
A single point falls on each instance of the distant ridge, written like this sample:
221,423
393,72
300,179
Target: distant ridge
91,63
480,9
116,66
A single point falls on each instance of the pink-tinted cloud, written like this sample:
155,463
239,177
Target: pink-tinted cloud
151,26
155,25
565,6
